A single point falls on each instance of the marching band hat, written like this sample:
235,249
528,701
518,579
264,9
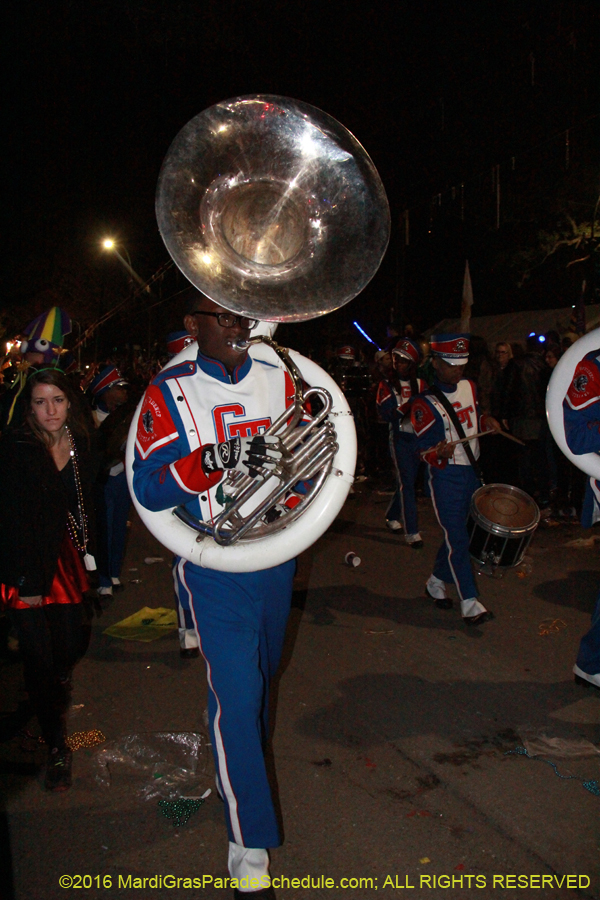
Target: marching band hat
109,377
177,340
452,348
408,349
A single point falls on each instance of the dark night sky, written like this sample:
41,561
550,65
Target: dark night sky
438,93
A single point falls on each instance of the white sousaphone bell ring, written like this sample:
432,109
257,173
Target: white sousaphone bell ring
253,555
560,382
272,209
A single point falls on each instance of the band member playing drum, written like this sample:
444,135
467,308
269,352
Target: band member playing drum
393,404
441,415
197,421
581,409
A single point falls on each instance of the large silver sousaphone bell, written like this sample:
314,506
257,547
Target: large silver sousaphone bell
273,210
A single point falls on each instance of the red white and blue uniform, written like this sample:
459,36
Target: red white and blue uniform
581,408
452,481
113,501
241,618
393,404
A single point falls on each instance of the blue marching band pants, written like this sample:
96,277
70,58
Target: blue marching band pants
240,620
451,492
403,508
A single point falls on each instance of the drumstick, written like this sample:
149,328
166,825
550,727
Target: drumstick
471,437
461,441
511,437
483,434
478,435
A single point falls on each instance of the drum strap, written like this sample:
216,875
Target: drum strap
459,429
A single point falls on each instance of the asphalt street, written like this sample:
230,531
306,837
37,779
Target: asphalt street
395,731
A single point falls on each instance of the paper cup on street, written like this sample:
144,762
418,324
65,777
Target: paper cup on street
351,559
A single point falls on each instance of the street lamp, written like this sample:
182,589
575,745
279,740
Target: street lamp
109,244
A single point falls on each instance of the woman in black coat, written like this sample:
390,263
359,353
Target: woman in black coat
45,549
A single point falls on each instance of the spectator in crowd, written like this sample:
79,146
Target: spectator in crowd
41,345
503,356
46,472
526,385
500,460
552,354
480,370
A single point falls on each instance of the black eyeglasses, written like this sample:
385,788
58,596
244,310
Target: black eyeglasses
229,320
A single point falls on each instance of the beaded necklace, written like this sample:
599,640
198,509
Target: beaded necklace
78,530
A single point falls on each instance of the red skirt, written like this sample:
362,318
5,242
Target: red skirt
70,581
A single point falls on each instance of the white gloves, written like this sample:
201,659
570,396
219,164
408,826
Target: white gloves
247,455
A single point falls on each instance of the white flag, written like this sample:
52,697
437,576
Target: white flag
467,301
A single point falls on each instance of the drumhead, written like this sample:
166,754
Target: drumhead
504,509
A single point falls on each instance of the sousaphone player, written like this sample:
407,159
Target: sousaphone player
250,242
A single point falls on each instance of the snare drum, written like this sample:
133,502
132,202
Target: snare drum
501,523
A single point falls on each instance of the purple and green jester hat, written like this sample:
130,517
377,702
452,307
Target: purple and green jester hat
46,335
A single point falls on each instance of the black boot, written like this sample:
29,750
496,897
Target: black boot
58,770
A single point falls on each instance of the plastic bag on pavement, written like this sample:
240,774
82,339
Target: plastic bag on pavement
155,764
538,743
145,625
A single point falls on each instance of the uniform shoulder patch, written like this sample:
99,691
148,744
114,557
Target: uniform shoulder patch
421,415
585,386
155,426
383,392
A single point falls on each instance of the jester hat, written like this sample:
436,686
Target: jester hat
46,334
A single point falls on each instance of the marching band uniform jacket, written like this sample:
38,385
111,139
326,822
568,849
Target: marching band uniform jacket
393,404
581,409
189,406
240,618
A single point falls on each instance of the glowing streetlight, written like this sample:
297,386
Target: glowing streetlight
109,244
